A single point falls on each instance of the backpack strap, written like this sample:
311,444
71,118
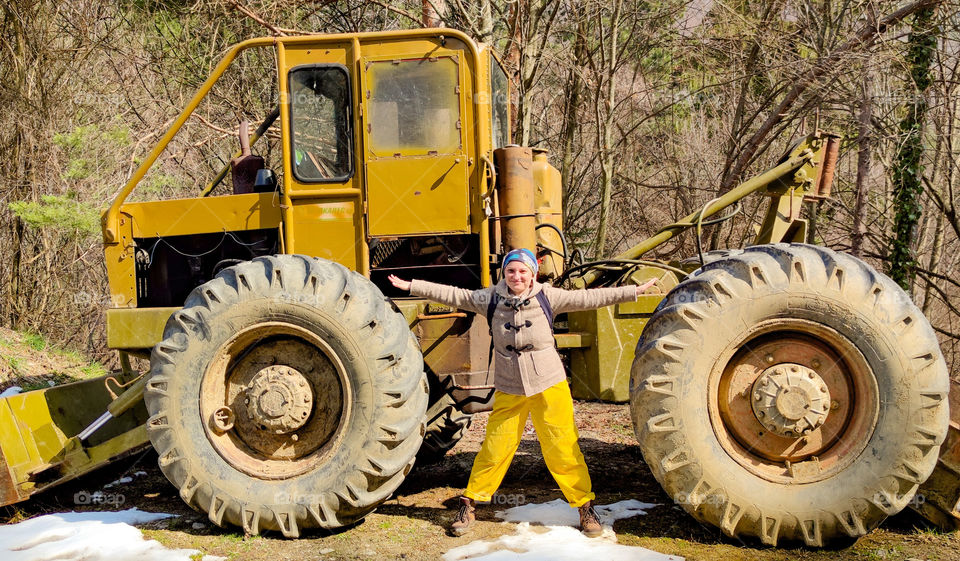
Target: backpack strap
491,308
546,307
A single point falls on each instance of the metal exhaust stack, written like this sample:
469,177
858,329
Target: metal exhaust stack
515,194
825,181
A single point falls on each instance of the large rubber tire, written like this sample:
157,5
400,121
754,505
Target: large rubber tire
345,326
446,425
799,297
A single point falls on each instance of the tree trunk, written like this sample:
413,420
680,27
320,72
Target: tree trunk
571,123
606,136
863,164
934,264
908,161
430,10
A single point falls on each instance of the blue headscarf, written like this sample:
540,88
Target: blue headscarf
524,256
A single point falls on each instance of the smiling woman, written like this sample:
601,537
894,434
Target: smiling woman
529,378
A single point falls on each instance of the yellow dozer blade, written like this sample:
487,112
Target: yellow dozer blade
39,443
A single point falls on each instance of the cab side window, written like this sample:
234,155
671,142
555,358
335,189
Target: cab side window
414,106
320,115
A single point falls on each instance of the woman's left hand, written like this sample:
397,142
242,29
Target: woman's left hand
643,287
398,282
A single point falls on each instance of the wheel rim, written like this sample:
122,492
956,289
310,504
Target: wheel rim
274,400
767,393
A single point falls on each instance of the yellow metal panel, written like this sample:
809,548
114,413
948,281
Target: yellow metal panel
417,196
136,328
573,340
121,267
204,215
124,443
402,47
329,229
602,370
35,440
49,440
416,183
15,448
645,305
320,53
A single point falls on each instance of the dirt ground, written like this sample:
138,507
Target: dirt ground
31,362
410,525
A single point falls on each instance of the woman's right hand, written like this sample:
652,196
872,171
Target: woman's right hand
399,283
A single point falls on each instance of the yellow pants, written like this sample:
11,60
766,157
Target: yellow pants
552,412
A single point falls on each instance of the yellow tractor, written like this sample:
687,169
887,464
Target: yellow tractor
780,392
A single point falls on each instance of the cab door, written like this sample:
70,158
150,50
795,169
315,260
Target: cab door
416,162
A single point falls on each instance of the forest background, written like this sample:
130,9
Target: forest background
649,109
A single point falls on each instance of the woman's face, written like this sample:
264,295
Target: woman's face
519,277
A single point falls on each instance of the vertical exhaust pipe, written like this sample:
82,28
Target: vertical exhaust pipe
515,196
828,167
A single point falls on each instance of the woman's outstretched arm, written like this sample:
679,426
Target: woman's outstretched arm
573,300
471,300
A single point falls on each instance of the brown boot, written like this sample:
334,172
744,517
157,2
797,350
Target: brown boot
589,521
465,517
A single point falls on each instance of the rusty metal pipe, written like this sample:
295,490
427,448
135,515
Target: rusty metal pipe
829,166
442,316
515,195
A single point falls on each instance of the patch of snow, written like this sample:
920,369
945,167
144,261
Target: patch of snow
561,541
91,536
558,513
118,482
139,473
12,390
558,543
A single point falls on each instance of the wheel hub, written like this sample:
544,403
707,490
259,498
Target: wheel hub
790,399
279,398
276,399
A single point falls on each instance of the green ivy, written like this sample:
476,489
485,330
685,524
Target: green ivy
908,168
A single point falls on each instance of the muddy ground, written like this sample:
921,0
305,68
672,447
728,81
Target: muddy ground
410,525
